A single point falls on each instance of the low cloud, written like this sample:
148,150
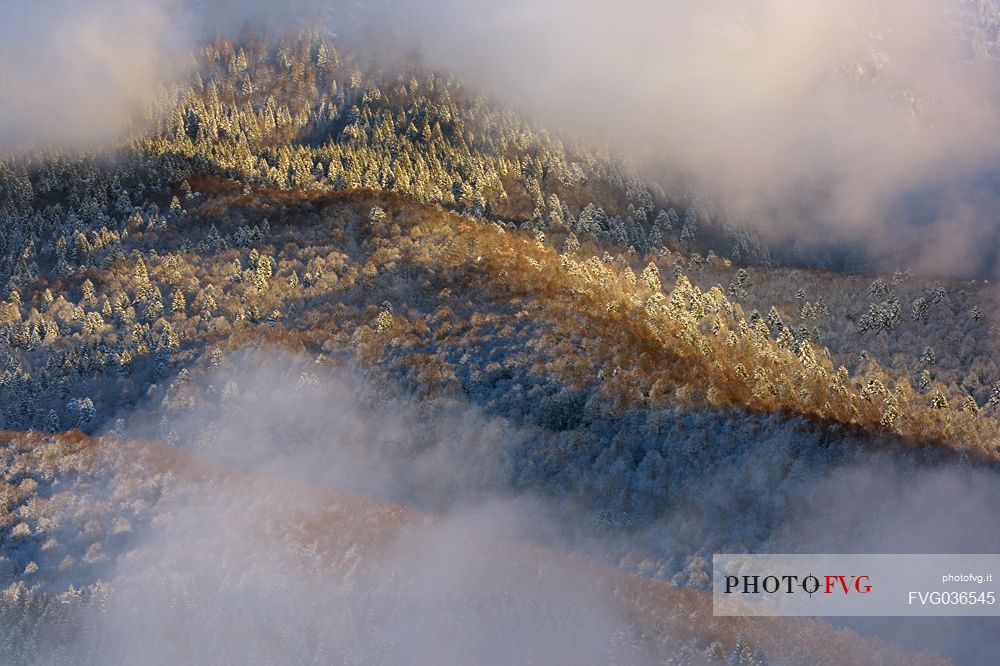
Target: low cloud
321,518
869,124
271,548
861,122
74,72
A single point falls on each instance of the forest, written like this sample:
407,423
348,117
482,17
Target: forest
354,316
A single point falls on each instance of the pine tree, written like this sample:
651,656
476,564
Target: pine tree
650,277
879,290
994,398
85,411
571,244
970,406
774,321
262,272
688,231
177,302
140,277
927,356
738,287
52,422
924,382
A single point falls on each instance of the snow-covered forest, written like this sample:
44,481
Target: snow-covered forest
484,383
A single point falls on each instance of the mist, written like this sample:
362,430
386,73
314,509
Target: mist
311,515
885,507
287,542
324,514
231,575
83,74
355,522
858,124
76,73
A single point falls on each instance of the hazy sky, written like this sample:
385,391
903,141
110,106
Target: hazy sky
78,70
811,118
816,119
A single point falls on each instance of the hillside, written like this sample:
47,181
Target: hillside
71,493
348,361
454,304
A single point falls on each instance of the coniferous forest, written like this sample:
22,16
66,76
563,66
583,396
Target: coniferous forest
325,357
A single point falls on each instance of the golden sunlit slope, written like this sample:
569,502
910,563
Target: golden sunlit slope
412,284
421,371
634,389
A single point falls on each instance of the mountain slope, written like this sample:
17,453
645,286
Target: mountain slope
348,546
360,307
